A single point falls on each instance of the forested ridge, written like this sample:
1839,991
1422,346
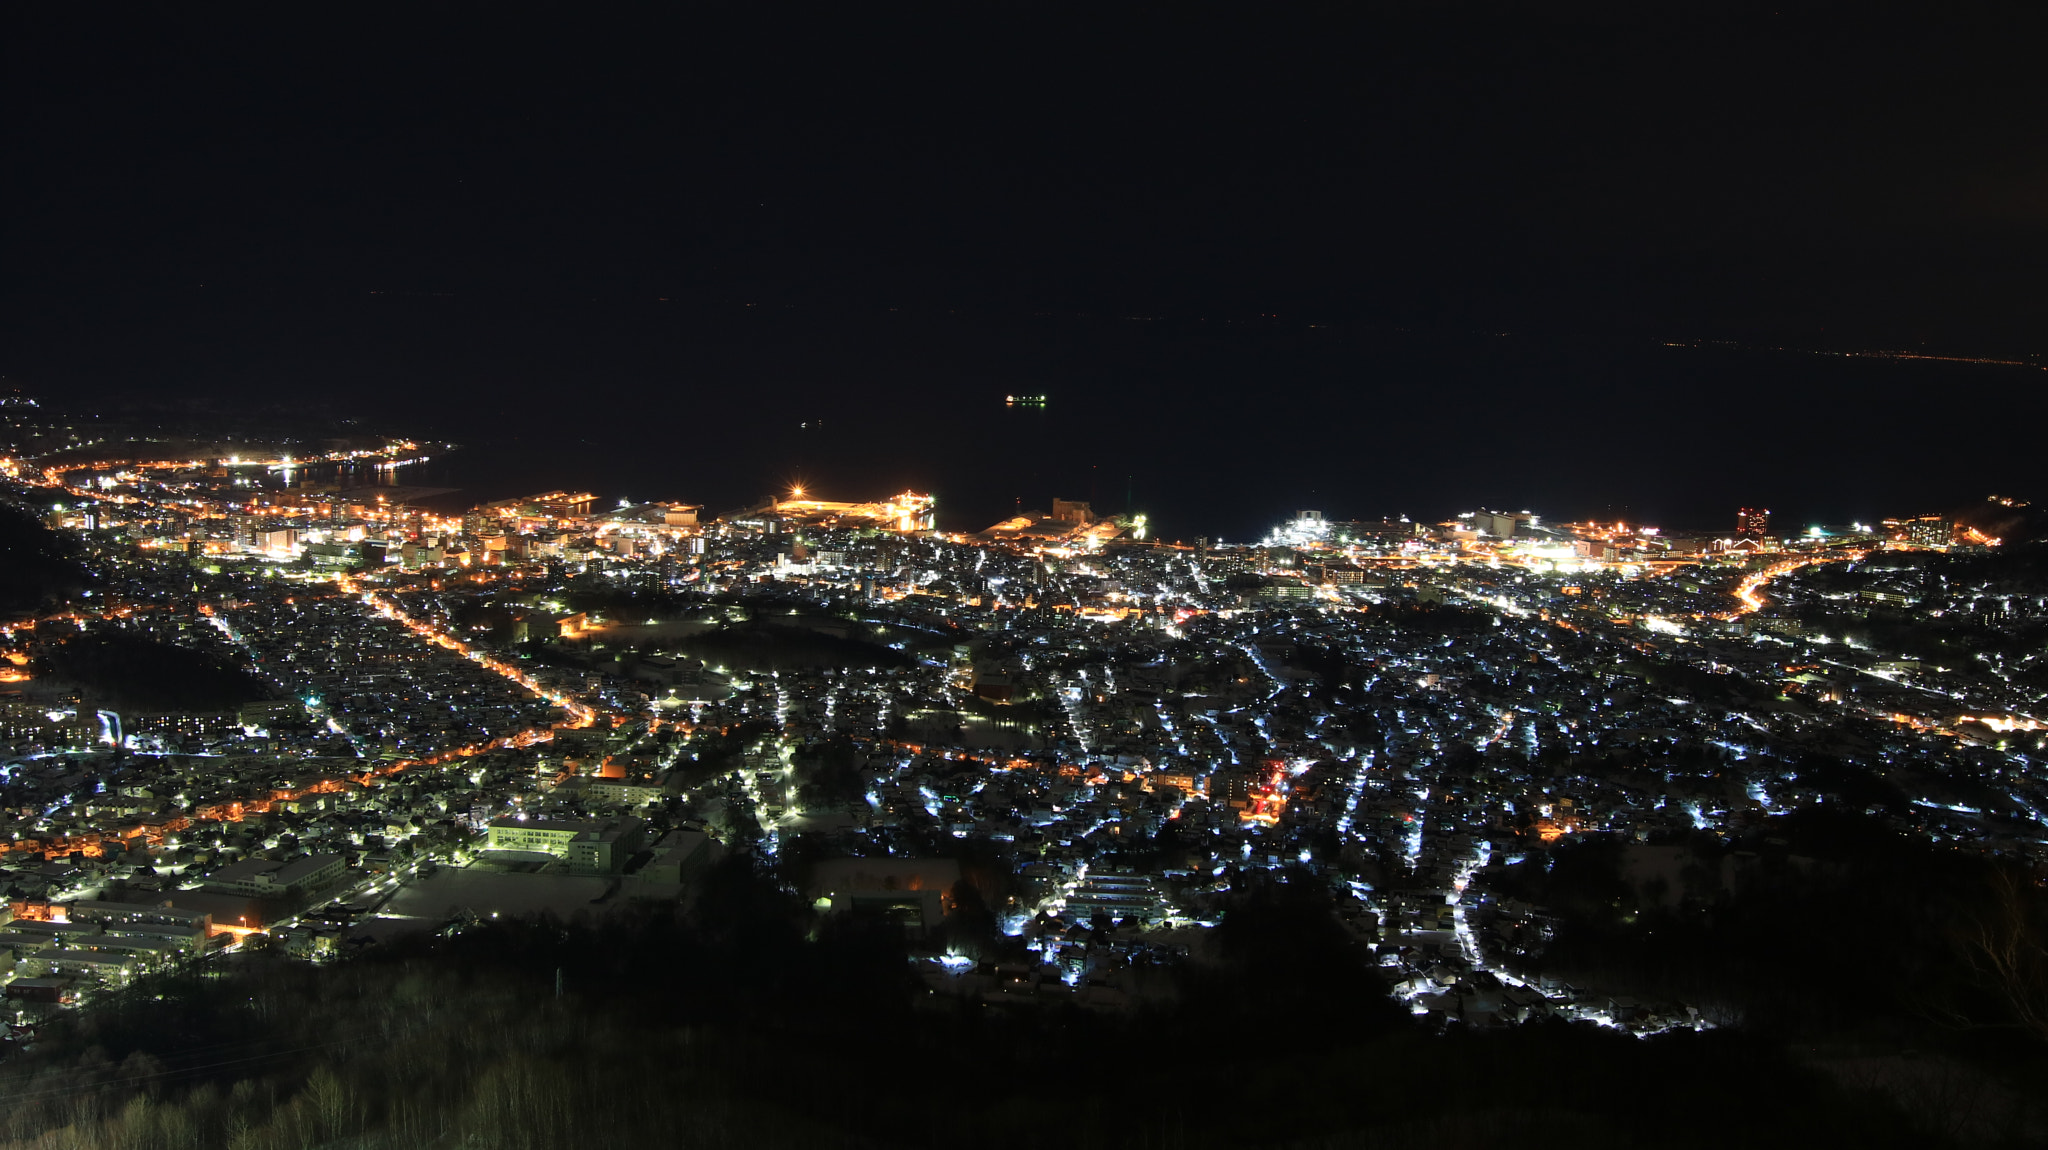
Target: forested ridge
742,1023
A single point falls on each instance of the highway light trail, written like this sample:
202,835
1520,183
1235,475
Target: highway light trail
1748,590
580,714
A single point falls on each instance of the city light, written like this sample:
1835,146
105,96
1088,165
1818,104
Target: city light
1055,688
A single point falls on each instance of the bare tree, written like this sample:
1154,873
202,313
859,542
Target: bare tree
329,1097
2004,942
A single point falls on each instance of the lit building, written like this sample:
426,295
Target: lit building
907,512
1501,524
599,846
1753,522
268,878
1930,531
1305,529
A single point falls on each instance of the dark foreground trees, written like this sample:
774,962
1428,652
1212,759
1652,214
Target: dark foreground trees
742,1024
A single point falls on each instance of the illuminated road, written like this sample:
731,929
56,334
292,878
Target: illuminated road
580,714
1748,590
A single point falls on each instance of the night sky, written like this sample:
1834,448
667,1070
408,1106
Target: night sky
468,214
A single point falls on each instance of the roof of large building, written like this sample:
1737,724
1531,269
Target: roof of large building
592,829
880,875
277,872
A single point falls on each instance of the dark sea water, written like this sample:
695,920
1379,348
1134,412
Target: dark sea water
1211,426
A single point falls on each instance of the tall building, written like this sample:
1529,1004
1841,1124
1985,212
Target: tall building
1498,524
1930,531
1753,522
1072,511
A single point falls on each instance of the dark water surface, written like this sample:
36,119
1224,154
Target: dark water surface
1212,426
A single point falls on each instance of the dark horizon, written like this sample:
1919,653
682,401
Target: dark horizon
1405,259
721,404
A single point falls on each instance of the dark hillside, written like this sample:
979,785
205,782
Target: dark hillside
740,1025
